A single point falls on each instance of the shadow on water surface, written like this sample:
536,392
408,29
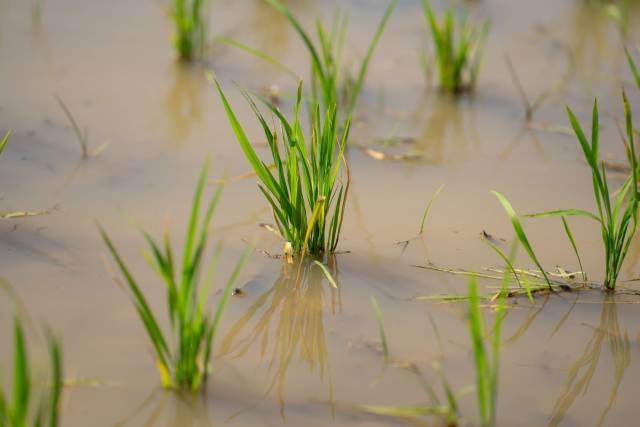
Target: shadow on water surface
285,321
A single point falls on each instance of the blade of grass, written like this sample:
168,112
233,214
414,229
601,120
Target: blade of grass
633,67
327,274
567,230
367,58
383,336
517,226
427,209
260,55
4,140
82,136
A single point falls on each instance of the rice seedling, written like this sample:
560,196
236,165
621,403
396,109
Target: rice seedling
633,67
521,235
427,209
486,362
190,22
25,405
186,365
5,140
383,335
618,223
331,85
37,7
82,135
305,192
458,48
449,411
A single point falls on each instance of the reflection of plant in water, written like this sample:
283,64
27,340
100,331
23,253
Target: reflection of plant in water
179,410
184,101
447,127
583,370
290,315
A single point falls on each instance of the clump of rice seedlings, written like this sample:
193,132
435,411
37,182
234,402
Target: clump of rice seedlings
305,192
617,214
37,7
82,135
193,327
26,405
330,83
633,67
190,22
620,13
458,48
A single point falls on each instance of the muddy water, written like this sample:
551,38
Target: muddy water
304,357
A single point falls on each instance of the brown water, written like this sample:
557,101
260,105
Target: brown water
302,358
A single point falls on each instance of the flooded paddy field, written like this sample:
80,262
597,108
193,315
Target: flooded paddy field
291,348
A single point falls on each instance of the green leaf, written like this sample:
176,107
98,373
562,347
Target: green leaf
21,377
4,140
564,212
259,54
517,226
383,336
633,67
327,274
425,214
567,230
367,58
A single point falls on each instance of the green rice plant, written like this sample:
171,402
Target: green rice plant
458,48
193,328
82,135
449,410
427,209
521,235
305,192
617,214
37,8
4,140
383,335
486,362
486,358
190,22
24,407
633,67
331,85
